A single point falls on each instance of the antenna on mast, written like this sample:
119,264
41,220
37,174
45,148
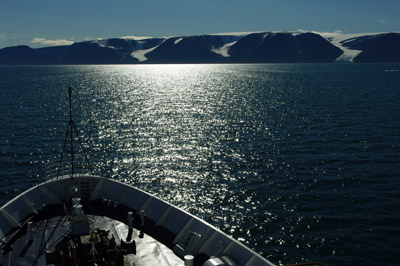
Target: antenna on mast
70,125
71,128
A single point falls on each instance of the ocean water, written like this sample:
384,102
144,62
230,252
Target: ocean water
299,162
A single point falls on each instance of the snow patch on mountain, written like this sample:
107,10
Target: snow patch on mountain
228,39
177,41
101,43
140,53
236,34
136,38
266,35
337,38
224,50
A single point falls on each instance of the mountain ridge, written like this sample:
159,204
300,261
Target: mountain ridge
252,47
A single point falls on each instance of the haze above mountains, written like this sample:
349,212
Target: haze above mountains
256,47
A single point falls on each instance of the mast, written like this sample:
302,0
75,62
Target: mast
70,125
70,130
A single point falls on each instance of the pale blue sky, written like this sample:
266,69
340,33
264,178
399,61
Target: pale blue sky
45,22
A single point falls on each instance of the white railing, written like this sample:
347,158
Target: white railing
81,167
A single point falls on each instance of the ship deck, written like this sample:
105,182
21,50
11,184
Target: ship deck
49,231
162,233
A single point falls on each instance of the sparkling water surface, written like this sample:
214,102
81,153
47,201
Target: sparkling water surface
299,162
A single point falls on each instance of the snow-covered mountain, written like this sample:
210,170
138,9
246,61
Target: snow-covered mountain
250,47
359,47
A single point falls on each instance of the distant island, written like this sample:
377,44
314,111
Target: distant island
255,47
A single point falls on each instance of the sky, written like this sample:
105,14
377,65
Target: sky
39,23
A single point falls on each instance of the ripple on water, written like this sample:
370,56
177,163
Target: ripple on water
297,161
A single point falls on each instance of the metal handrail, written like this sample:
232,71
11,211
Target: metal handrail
54,170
